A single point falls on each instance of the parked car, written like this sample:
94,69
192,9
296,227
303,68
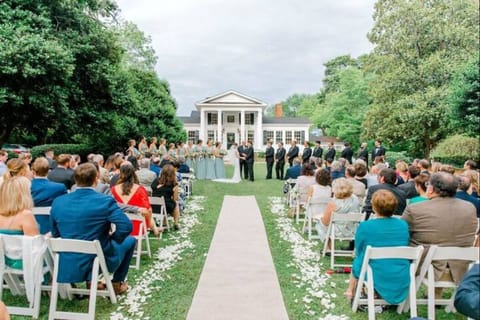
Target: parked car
15,148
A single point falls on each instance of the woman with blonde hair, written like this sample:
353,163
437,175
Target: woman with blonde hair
344,201
402,172
16,167
153,146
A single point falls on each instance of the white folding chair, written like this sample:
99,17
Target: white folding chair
312,208
28,280
426,275
187,177
301,198
290,196
342,227
142,235
58,246
366,277
42,210
162,215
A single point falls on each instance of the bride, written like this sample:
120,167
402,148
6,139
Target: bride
233,156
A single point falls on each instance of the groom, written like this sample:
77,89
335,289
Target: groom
249,157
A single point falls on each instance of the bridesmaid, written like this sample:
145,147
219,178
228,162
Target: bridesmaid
219,153
172,151
210,161
162,149
153,146
201,171
181,149
142,146
189,159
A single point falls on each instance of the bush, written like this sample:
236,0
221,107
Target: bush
456,150
392,157
82,149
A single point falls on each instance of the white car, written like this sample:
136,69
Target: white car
15,148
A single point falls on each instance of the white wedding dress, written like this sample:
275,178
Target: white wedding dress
234,159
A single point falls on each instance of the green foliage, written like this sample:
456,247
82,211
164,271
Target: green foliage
418,47
457,149
392,157
81,149
464,99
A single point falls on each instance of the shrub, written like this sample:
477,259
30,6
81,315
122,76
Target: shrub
392,157
82,149
456,149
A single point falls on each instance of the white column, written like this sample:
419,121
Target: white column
283,137
201,134
307,136
242,125
219,126
259,135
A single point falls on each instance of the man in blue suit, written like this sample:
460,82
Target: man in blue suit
44,191
88,215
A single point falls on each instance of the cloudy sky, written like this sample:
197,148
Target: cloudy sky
268,49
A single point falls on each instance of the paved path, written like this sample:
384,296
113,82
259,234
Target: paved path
238,280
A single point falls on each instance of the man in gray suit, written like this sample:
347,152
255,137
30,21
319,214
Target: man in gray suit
443,220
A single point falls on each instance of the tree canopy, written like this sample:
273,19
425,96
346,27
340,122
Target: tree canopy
71,72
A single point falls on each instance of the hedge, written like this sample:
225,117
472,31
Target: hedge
81,149
456,150
392,157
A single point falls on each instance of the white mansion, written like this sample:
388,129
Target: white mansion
234,117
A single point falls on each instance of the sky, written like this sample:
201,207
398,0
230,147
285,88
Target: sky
267,49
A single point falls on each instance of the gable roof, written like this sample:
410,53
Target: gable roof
231,97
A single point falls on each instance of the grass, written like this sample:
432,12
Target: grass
173,297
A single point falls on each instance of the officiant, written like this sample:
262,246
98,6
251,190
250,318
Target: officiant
249,156
269,158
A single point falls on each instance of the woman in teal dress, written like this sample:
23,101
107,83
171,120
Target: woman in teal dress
16,217
153,146
391,277
210,162
219,153
201,171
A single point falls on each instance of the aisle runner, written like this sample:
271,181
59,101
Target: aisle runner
238,280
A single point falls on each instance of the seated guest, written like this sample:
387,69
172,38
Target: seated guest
443,221
372,178
304,181
100,186
361,171
321,190
424,165
26,157
359,188
402,172
145,175
128,191
344,201
62,172
182,167
420,182
464,192
294,171
474,178
467,296
166,186
167,159
337,170
386,179
104,176
155,166
409,186
447,168
88,215
44,191
391,277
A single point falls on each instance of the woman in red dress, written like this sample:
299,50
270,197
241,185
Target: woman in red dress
128,191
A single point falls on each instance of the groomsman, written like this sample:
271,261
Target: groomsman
307,152
243,164
249,158
378,151
292,152
330,152
347,153
269,158
317,154
363,152
280,161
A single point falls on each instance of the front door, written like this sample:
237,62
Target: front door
230,139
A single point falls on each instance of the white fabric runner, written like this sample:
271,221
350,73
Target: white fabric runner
238,280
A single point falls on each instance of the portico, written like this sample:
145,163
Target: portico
233,117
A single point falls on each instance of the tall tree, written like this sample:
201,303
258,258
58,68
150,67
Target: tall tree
418,46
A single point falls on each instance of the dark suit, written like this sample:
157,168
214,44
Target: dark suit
363,154
473,200
62,175
347,153
409,189
249,158
378,152
307,153
330,154
87,215
280,163
243,164
269,159
398,193
43,193
292,154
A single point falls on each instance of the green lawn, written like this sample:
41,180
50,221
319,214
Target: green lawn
167,288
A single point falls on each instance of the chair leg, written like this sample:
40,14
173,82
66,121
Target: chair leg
54,294
431,294
93,290
370,295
